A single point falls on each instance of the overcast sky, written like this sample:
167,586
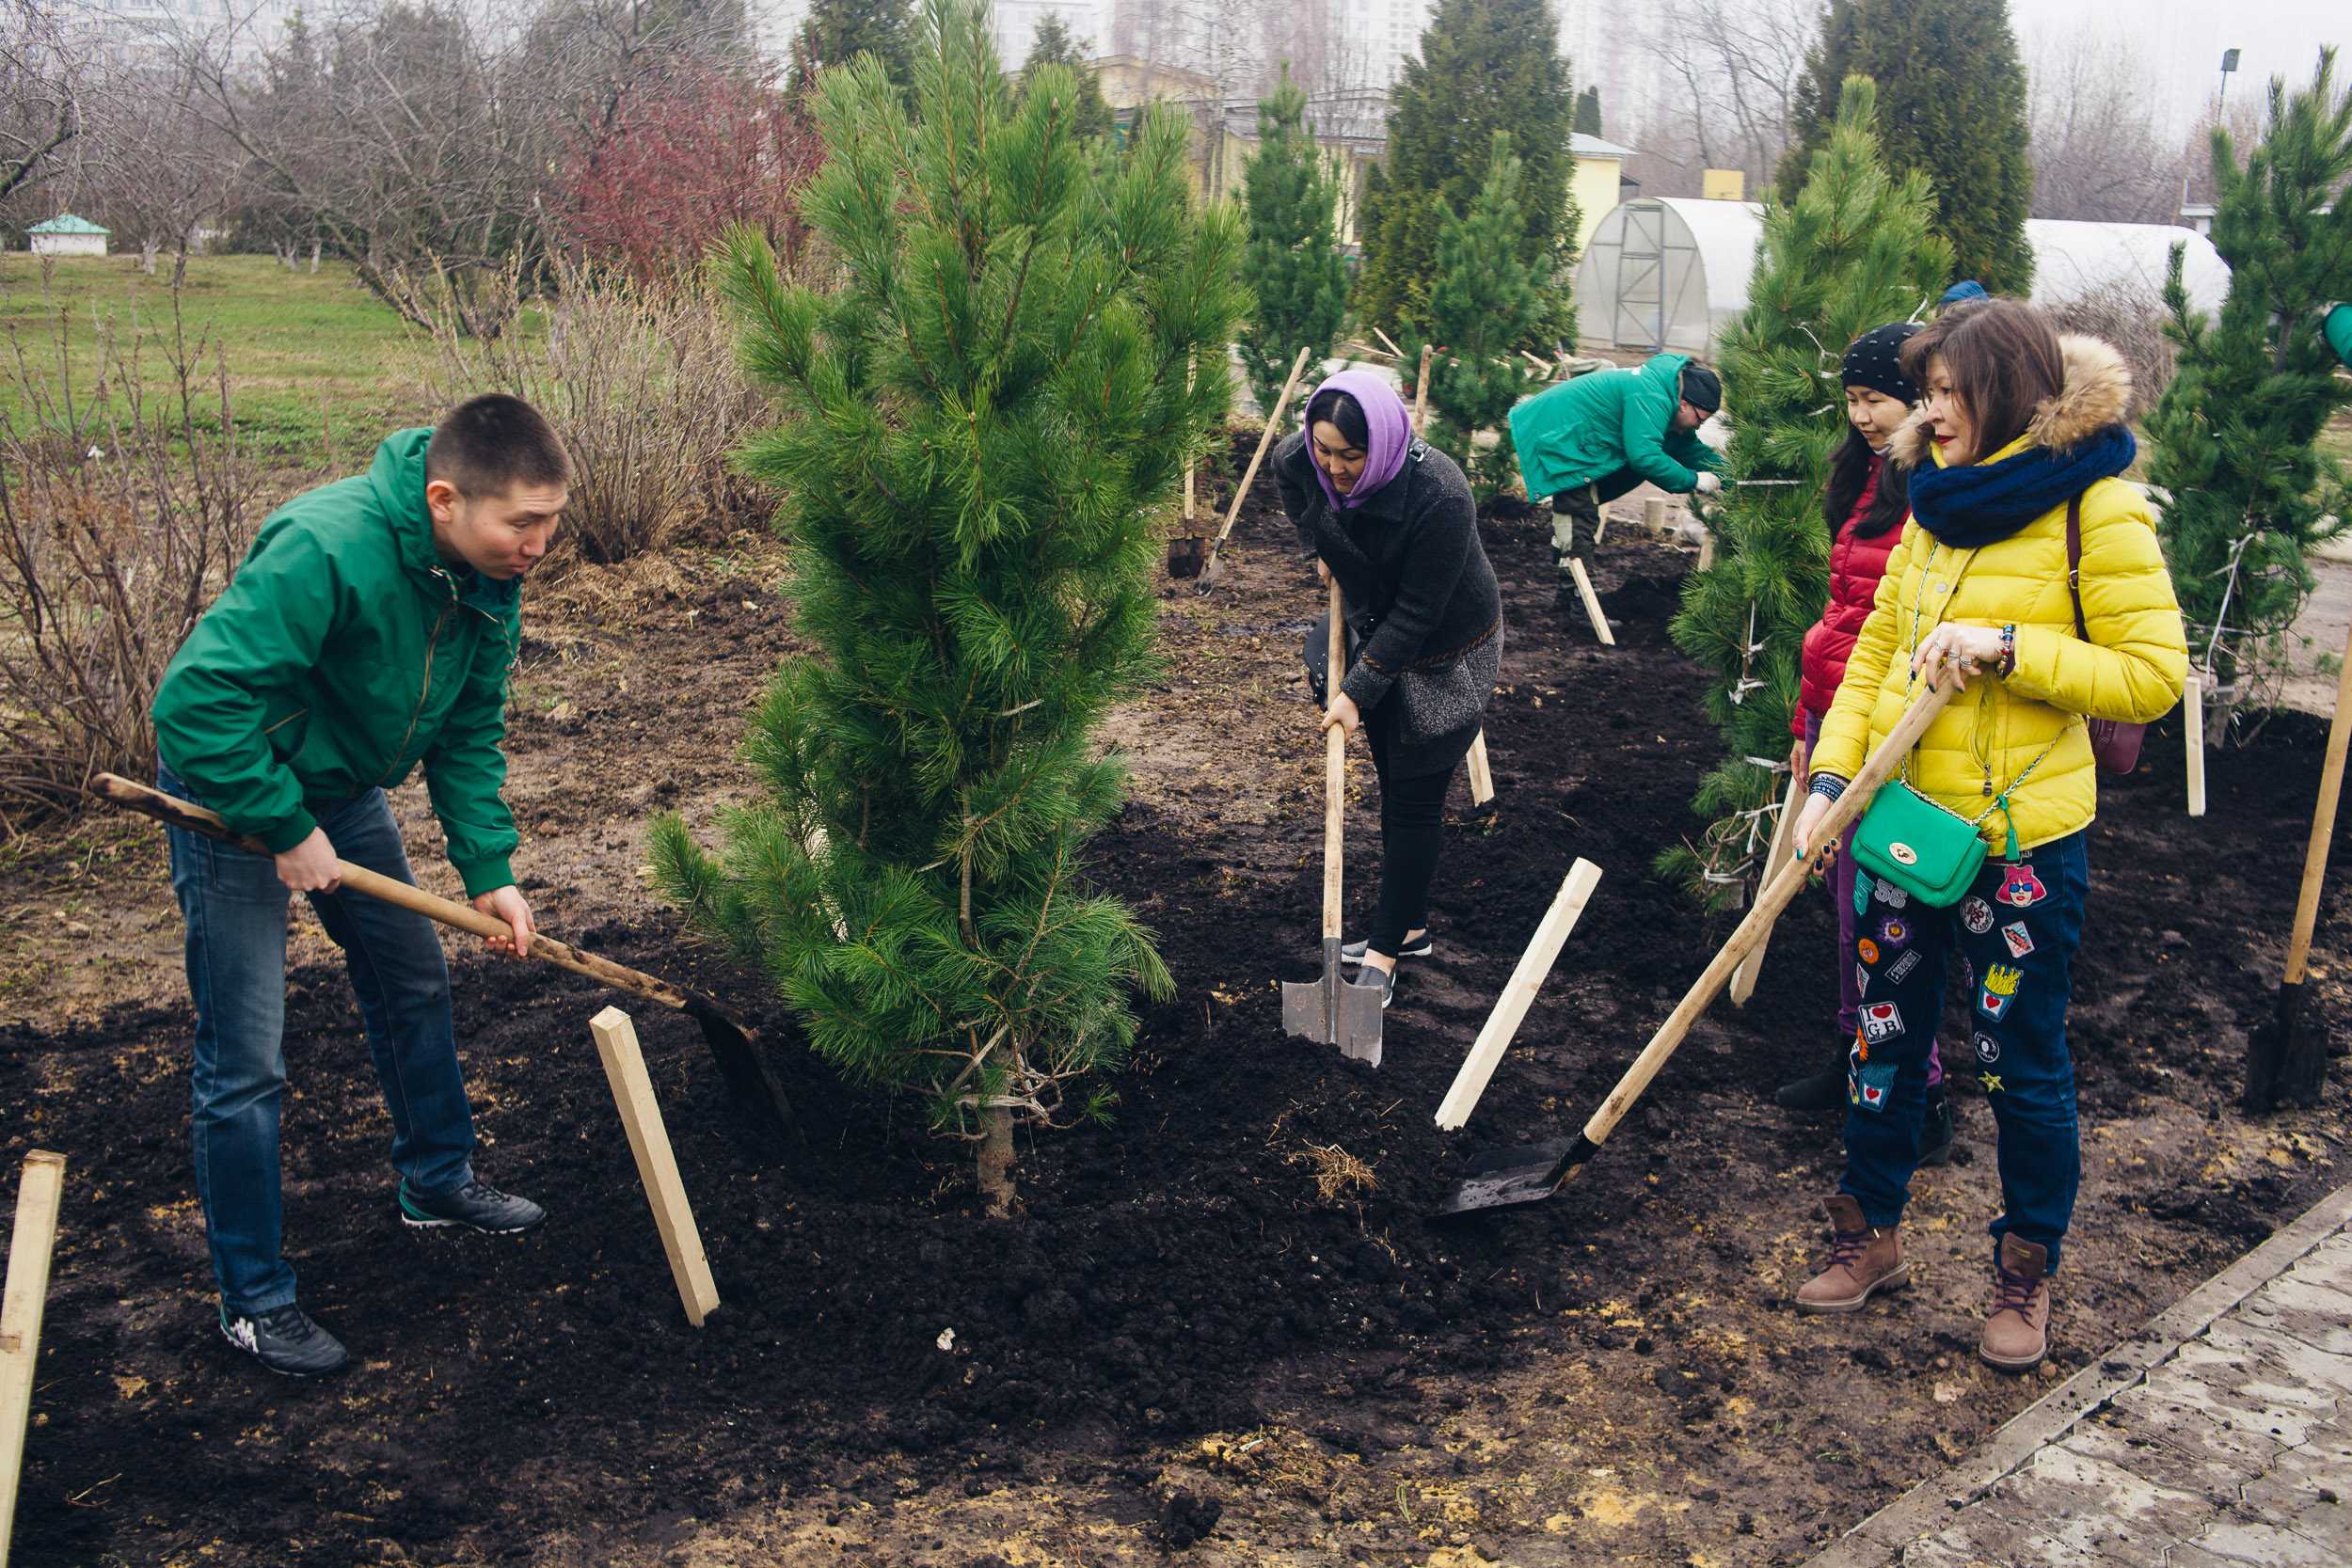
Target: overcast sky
2181,42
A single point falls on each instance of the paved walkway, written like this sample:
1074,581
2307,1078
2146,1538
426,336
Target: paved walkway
2219,1435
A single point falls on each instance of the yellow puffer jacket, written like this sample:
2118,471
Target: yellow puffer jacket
2131,668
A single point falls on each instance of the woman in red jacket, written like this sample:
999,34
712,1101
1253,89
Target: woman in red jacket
1864,506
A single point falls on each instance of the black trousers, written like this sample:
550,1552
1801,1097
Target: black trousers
1412,832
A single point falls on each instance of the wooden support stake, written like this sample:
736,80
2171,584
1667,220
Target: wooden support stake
1420,391
2290,1061
1519,994
1249,475
1482,776
2193,741
1706,551
656,1166
1600,528
35,1237
1743,978
1389,342
1592,603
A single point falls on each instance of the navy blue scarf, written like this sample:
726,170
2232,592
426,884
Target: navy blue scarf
1981,502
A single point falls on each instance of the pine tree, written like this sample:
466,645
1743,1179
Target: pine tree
1053,44
2236,432
1951,105
977,426
1482,305
836,32
1852,252
1485,66
1293,263
1588,112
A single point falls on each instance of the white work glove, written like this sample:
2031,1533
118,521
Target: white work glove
1708,482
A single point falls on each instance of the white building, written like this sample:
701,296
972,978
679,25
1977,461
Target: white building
66,235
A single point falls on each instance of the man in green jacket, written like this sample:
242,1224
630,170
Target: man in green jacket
1587,441
369,629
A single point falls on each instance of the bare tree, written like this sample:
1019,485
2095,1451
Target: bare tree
1736,63
47,65
2098,151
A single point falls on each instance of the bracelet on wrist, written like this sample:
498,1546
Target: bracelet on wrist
2008,649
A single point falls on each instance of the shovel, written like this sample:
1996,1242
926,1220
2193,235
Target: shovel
1249,476
1517,1176
1334,1009
730,1043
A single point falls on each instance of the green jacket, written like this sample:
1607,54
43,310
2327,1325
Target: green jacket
342,653
1614,426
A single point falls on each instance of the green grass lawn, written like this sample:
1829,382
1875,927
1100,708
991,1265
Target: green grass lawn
306,351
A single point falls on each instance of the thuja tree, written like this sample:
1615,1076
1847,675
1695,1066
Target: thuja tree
1483,303
2236,433
978,422
1483,66
1853,251
1293,263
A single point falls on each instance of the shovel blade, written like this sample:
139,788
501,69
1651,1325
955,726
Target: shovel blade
1335,1012
1511,1176
1359,1022
1307,1009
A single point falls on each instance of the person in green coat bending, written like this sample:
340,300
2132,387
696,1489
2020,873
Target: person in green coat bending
1587,441
369,630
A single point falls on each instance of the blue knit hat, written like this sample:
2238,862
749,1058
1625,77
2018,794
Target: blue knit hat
1967,290
1875,360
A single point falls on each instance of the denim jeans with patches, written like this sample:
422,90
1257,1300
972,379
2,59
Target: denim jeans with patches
235,909
2016,931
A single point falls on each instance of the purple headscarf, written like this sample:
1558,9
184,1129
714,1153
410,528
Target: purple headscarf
1389,435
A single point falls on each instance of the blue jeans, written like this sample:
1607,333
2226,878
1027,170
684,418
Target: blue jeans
2016,930
235,909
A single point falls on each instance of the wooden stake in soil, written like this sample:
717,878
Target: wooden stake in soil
1420,393
2193,741
1519,994
656,1166
1249,475
1592,603
1743,978
36,1235
1389,342
2290,1061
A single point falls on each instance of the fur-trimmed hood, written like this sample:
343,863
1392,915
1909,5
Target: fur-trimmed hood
2097,393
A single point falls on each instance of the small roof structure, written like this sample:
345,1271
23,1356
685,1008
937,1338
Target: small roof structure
1583,146
66,223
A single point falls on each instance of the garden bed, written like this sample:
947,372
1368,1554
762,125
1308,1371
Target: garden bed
1198,1300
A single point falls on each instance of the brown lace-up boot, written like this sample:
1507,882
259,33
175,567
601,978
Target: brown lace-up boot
1861,1258
2017,1333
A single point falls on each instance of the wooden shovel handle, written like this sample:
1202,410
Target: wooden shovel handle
1273,426
176,813
2323,823
1780,886
1334,768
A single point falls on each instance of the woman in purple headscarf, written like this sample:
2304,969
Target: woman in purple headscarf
1391,517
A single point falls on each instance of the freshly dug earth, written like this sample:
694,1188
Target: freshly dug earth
1224,1324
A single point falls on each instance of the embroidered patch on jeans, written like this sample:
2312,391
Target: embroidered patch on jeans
2000,990
1990,1083
2022,888
1861,980
1894,932
1870,1087
1976,914
1891,897
1881,1022
1861,894
1988,1049
2020,940
1867,950
1900,970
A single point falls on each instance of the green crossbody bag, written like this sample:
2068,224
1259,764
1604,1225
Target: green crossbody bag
1930,851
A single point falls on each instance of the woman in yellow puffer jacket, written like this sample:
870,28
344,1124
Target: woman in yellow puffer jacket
2021,423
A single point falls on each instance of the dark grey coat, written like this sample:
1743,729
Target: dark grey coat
1421,600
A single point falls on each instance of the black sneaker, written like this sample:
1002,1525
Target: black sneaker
1388,987
1938,1131
1819,1091
477,1205
286,1341
1352,953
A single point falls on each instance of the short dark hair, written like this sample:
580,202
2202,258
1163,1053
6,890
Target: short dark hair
1345,413
486,446
2004,359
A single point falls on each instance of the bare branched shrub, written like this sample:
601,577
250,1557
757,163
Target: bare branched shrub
640,378
123,510
1337,1172
2130,315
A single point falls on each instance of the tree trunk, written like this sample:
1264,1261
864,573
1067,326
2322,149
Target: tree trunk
2220,702
995,1156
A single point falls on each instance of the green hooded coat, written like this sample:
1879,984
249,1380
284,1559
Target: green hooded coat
1611,428
343,653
